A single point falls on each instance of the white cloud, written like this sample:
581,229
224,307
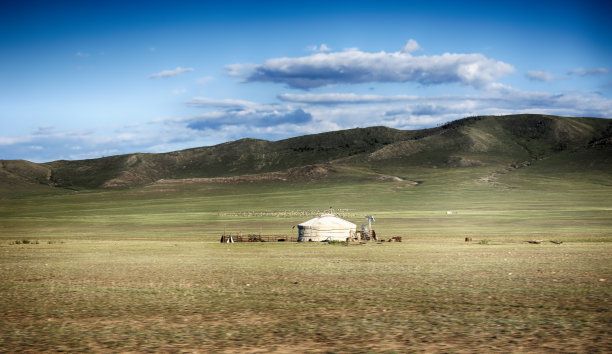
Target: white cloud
544,76
411,46
81,54
179,91
220,103
354,66
170,73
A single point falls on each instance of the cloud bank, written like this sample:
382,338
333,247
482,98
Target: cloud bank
250,118
498,100
353,66
297,114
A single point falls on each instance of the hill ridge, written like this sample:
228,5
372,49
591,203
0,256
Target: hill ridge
463,143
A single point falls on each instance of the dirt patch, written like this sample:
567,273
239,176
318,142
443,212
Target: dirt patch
385,178
127,179
309,172
491,178
395,150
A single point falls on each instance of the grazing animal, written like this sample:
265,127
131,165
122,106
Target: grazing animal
468,239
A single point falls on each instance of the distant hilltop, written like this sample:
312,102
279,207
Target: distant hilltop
464,143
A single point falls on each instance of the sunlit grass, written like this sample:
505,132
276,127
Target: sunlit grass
153,295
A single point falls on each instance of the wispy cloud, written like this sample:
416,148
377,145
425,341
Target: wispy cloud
170,73
589,72
318,49
5,140
538,75
344,98
82,54
205,80
354,66
220,103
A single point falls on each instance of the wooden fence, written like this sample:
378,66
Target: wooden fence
257,238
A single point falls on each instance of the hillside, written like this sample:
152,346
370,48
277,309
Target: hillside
470,142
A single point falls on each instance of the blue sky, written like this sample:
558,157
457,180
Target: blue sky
85,79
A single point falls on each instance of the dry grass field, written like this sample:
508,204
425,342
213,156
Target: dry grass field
419,295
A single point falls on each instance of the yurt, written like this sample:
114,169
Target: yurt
326,227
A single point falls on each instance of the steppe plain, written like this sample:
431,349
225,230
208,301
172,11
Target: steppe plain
141,269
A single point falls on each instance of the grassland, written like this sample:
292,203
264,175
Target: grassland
423,295
141,270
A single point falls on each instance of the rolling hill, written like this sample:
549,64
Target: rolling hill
512,141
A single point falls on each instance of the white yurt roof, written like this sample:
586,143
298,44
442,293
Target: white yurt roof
328,221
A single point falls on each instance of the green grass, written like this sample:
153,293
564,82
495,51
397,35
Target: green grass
521,202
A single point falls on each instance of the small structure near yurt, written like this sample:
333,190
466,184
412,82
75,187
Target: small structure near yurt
326,227
227,239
